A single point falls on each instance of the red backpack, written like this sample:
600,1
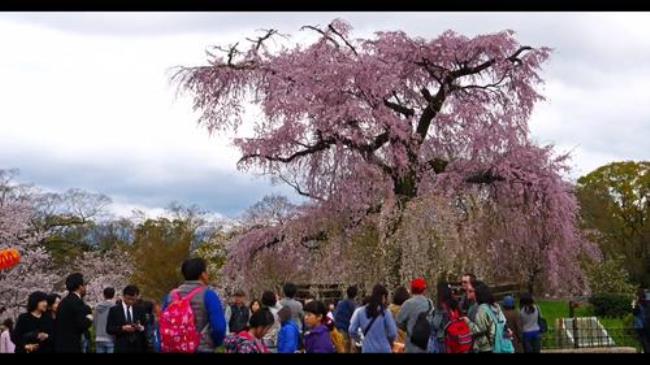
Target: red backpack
177,327
458,335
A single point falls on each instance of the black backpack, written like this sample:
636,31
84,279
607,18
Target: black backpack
422,329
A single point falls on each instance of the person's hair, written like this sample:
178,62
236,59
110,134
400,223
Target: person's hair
352,292
444,294
316,307
473,282
193,268
365,300
471,276
269,299
51,299
284,314
35,298
289,290
74,281
376,304
9,323
250,306
147,305
262,318
239,293
526,302
131,290
109,293
483,293
400,295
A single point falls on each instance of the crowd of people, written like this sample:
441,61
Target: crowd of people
191,318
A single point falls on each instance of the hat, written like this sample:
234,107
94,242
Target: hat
508,302
418,285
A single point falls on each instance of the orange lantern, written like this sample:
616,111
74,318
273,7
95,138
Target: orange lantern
9,258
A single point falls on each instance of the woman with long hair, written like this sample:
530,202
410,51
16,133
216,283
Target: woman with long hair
376,323
529,314
490,323
255,306
441,317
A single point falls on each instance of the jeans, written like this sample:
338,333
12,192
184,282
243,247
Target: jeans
104,347
644,339
532,342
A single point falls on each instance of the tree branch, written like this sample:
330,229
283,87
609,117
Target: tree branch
325,35
407,112
258,42
485,177
319,146
343,38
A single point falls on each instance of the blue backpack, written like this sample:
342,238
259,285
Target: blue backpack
502,344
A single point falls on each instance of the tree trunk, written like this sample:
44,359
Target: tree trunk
390,247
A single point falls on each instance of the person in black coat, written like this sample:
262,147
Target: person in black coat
49,319
32,333
72,318
126,322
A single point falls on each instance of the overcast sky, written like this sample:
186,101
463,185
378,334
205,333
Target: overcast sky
87,103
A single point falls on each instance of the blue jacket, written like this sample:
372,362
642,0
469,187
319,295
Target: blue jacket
288,338
379,337
343,314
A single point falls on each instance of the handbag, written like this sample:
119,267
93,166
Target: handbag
541,322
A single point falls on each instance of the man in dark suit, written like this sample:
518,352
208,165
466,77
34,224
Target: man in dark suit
72,318
126,322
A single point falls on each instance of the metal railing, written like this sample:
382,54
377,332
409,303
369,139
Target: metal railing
587,332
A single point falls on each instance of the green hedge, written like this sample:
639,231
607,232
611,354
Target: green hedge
610,305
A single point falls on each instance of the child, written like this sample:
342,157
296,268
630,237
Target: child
289,336
249,341
317,337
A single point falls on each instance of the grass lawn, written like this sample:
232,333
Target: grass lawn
620,329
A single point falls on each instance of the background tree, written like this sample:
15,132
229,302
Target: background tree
160,247
68,220
615,201
35,271
367,126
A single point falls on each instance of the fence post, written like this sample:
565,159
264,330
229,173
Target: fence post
572,314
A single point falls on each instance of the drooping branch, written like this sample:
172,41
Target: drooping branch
297,188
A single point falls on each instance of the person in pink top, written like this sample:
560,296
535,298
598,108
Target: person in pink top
6,346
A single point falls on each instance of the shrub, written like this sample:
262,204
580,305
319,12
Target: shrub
611,305
610,276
